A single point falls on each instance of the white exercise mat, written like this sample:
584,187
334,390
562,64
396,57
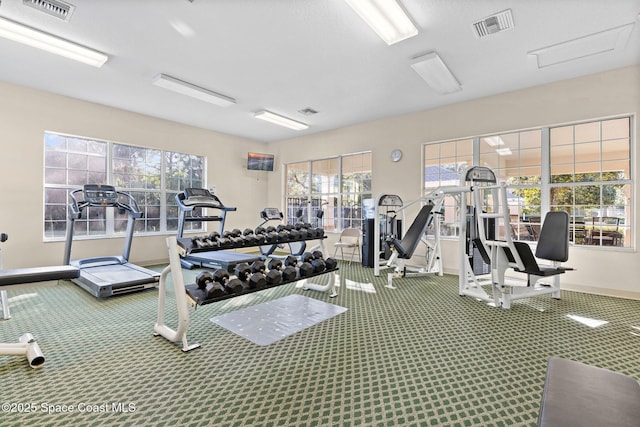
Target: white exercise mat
266,323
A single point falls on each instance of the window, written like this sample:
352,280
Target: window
591,179
443,163
153,177
581,168
516,158
328,192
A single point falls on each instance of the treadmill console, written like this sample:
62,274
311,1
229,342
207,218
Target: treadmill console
270,214
100,195
200,196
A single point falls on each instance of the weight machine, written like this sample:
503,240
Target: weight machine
402,250
498,249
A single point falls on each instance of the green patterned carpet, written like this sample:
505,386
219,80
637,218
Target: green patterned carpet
418,355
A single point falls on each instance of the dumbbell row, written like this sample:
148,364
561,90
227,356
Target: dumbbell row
260,236
248,278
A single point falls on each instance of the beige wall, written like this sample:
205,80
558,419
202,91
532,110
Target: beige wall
601,95
26,114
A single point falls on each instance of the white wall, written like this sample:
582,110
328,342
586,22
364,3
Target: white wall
26,114
613,272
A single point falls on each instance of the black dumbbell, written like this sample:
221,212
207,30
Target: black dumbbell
271,237
249,237
258,267
318,265
290,260
252,279
330,264
273,277
243,271
295,234
233,286
205,281
306,257
289,274
275,264
305,269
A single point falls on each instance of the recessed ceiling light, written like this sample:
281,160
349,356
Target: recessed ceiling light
386,18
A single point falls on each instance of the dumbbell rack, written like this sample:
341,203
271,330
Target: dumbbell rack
199,296
190,248
190,296
213,256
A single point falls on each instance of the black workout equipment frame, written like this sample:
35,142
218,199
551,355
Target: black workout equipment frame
106,276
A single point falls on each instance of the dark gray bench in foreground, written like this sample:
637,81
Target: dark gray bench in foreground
580,395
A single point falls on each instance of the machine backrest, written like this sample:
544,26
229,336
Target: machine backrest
409,243
553,244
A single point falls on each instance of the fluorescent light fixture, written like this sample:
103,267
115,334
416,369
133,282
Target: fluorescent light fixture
280,120
493,141
504,151
31,37
582,47
386,18
435,72
192,90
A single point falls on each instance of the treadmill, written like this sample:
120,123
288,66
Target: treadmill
191,204
107,276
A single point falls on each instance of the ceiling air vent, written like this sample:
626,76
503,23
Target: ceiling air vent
56,8
494,24
308,111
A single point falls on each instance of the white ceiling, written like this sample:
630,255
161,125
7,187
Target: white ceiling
286,55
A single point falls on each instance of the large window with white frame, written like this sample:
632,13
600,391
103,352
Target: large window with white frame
582,168
152,176
328,193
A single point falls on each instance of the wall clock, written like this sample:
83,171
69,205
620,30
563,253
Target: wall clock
396,155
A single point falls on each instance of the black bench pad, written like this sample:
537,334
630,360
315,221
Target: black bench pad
580,395
37,274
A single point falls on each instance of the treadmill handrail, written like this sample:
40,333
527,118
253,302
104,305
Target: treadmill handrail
192,198
77,206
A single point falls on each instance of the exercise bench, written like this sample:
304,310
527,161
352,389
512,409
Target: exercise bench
27,345
579,395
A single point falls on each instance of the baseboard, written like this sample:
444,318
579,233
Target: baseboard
608,292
